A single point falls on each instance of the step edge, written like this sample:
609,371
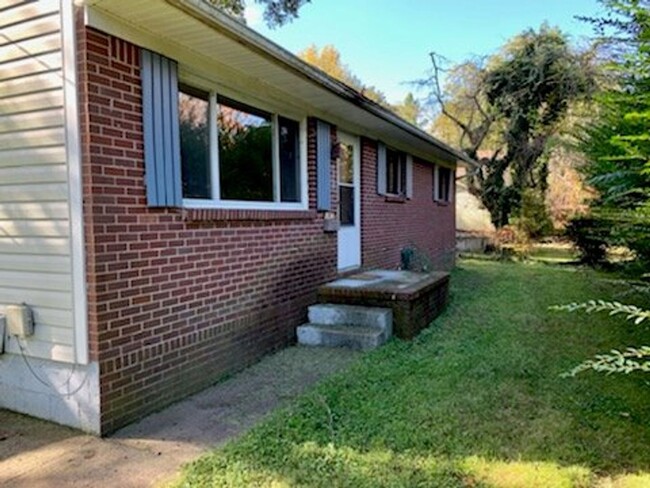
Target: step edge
343,328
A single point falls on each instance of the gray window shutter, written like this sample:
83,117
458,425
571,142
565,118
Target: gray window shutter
381,168
434,182
409,176
323,166
452,185
162,154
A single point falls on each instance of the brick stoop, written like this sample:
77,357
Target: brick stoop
351,326
416,299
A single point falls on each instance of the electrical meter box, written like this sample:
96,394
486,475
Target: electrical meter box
19,320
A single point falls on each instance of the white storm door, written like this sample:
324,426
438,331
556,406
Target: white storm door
349,185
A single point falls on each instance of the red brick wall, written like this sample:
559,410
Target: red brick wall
177,299
388,226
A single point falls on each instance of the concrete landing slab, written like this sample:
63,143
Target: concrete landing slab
381,278
383,282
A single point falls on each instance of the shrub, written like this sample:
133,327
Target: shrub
533,220
590,236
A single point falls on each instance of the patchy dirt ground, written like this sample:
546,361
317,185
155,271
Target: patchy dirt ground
35,454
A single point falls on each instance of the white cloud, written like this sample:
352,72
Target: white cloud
253,14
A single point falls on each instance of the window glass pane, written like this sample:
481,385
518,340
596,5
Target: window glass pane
193,110
346,164
444,183
289,142
245,152
346,205
391,171
434,183
396,172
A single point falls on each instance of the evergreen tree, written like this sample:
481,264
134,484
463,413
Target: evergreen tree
617,143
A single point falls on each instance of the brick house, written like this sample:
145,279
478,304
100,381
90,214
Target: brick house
173,189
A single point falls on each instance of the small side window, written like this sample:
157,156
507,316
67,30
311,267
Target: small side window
442,184
395,173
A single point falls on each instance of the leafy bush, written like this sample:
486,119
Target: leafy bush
413,258
594,233
502,242
590,236
532,219
632,228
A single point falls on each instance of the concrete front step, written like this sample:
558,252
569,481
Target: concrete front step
341,335
353,316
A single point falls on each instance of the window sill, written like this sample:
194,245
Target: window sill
223,214
395,199
442,203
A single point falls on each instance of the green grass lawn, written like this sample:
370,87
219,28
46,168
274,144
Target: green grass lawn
476,400
553,253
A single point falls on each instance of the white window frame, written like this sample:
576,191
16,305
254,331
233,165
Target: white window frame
216,202
450,185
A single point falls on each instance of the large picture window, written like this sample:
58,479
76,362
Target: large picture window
234,154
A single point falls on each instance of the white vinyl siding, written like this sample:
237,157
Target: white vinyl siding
35,225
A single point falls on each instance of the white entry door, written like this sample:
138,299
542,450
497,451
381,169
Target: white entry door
349,184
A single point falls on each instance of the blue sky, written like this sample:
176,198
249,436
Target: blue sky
386,42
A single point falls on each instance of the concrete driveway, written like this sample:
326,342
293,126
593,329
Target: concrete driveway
35,453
